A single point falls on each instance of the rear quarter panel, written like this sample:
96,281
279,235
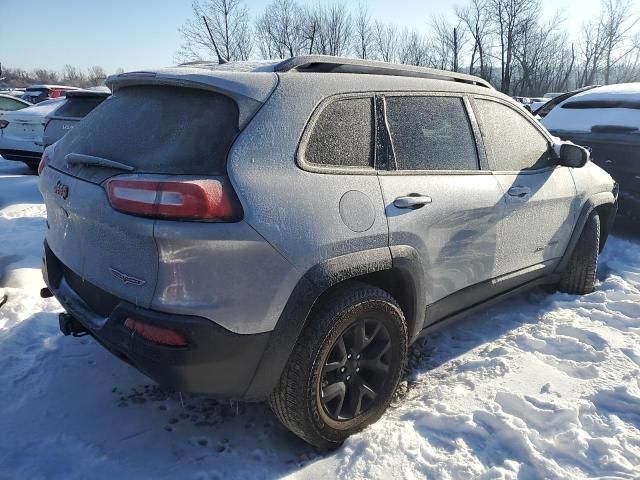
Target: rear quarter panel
295,210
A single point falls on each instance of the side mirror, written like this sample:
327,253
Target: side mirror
573,156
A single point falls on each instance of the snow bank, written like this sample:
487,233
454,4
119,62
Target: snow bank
542,386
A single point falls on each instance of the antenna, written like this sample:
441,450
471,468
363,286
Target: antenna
221,59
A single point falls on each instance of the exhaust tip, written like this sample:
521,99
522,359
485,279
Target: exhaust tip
45,293
70,326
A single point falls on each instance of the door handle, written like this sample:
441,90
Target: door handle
519,192
412,202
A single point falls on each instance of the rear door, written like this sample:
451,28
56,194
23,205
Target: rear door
540,195
152,129
437,198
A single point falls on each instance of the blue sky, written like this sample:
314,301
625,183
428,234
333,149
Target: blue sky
135,34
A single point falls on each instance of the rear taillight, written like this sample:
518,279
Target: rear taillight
159,335
4,124
43,163
55,93
175,198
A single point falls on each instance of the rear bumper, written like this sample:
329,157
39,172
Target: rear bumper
216,361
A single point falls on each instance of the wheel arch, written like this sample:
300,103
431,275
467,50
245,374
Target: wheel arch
396,270
606,206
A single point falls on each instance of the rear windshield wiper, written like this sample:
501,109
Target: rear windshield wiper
80,159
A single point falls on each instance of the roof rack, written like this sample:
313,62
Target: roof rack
329,64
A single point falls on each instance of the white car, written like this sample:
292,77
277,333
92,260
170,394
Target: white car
9,103
21,132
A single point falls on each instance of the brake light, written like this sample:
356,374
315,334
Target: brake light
55,93
210,199
43,162
4,124
159,335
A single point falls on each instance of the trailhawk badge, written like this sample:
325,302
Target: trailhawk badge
126,279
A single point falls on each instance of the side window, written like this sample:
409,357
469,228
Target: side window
343,135
431,133
512,143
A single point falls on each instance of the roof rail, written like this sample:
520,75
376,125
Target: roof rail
329,64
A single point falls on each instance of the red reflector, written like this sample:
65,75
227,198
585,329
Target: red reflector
207,199
43,162
159,335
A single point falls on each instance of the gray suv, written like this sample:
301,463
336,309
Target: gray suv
285,231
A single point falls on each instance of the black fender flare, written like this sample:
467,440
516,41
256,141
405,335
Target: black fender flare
316,281
595,201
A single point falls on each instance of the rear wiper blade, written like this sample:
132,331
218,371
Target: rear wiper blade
80,159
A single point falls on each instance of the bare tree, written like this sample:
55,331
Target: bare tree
413,49
334,29
542,58
448,40
618,20
72,76
42,75
95,75
509,18
476,19
281,30
386,40
592,49
363,33
230,28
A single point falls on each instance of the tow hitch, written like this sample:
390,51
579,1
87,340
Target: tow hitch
70,326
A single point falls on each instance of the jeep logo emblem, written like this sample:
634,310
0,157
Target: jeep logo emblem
61,189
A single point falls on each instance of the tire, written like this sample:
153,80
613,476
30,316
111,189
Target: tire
580,275
304,399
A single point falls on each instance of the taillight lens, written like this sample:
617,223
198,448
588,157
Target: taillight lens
173,198
4,124
43,163
159,335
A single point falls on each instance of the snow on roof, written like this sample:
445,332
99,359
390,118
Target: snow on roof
249,66
584,119
51,86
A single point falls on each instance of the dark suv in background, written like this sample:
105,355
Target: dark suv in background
606,120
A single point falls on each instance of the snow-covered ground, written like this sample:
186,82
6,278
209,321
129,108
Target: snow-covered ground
542,386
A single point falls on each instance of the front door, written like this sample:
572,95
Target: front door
539,194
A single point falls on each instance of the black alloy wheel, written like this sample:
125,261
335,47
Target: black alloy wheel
355,370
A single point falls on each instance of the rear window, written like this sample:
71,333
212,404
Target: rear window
78,107
158,129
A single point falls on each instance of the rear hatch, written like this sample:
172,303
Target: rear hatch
77,106
145,128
